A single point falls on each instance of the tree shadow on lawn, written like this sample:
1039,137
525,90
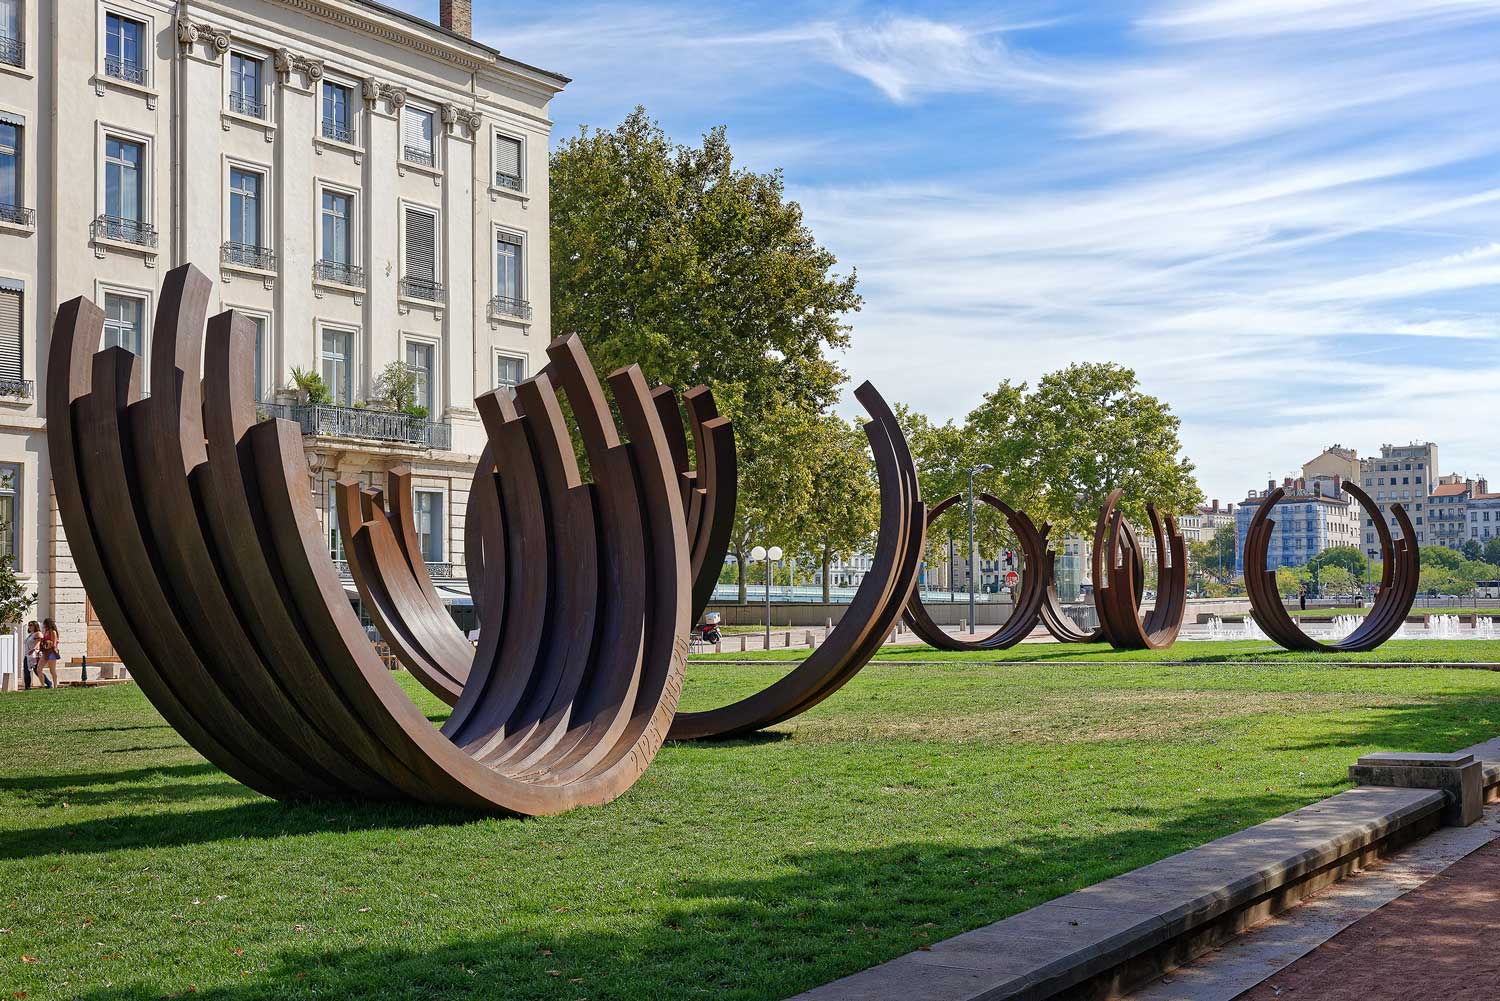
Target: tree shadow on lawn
1443,722
819,914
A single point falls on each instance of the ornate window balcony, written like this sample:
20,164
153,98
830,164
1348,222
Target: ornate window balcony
338,131
247,255
419,156
424,289
12,51
121,230
15,389
376,425
339,273
125,69
242,104
17,215
511,181
504,305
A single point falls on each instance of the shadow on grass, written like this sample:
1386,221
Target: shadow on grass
1444,722
819,914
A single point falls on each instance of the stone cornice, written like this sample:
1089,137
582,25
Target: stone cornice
471,56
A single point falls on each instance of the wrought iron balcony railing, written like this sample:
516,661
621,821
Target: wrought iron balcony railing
339,273
17,215
12,51
504,305
15,389
338,131
423,288
243,104
378,425
247,255
417,155
122,230
124,69
511,181
435,569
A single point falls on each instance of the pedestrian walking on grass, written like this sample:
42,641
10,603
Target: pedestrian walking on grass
48,652
28,660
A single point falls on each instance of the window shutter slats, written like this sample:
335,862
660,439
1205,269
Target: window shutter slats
507,156
10,334
421,245
416,130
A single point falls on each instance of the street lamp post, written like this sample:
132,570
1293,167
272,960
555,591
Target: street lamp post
983,467
769,555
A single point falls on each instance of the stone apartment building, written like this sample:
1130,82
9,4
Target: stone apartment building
1313,515
1400,473
1447,509
366,186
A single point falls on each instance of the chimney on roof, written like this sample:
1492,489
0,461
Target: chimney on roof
1216,507
457,16
1482,485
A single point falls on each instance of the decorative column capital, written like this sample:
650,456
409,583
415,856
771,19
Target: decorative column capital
288,62
190,33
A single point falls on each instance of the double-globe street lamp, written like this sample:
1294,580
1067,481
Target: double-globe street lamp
983,467
771,555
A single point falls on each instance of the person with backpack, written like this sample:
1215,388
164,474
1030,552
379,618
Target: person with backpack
48,652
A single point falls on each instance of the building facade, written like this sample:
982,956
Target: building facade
1311,517
367,187
1404,474
1447,510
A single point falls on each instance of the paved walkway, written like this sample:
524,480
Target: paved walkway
1439,941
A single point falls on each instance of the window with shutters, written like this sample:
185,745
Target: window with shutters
338,365
417,144
510,372
509,153
125,321
12,339
421,359
419,257
10,512
428,509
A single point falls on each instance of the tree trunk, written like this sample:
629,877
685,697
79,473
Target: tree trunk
827,561
739,562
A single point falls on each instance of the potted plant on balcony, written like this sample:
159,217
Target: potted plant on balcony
397,388
309,387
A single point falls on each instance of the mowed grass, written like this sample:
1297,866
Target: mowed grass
917,802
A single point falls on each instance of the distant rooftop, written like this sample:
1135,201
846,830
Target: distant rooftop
427,25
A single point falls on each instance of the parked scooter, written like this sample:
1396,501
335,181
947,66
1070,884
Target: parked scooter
707,631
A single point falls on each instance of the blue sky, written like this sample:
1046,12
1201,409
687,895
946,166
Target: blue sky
1284,214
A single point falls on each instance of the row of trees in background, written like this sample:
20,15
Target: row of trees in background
702,271
1345,570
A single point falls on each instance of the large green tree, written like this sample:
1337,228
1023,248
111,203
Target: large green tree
1214,556
1348,558
1492,551
842,511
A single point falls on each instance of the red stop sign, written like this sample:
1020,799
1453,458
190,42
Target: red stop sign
1012,578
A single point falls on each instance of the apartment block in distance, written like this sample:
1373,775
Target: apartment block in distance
1404,474
366,186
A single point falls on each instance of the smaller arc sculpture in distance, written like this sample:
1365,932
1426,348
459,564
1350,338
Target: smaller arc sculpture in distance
870,617
1401,567
1117,569
1027,606
196,537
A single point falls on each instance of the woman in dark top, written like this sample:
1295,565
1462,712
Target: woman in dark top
48,653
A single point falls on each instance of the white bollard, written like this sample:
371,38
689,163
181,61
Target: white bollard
743,638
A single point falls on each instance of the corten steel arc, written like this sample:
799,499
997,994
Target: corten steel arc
1028,602
1116,566
412,619
1400,569
1063,627
877,604
195,533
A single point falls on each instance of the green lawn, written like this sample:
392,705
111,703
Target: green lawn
917,802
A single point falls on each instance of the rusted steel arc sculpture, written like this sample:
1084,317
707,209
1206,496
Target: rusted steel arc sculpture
1028,601
1060,624
877,604
1117,566
195,534
1401,567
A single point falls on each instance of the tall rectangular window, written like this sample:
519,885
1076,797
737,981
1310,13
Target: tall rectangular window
245,91
124,47
510,372
124,322
331,520
419,270
10,509
124,188
416,137
260,357
12,333
420,358
508,284
244,207
11,135
337,209
338,112
428,508
338,365
12,46
507,162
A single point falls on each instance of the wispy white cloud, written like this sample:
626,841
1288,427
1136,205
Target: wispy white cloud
1209,19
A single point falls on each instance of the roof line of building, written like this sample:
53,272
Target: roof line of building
457,36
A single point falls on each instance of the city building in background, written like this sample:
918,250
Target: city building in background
1400,473
1312,516
365,186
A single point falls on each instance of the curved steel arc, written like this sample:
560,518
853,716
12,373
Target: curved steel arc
1027,606
215,584
1401,568
877,604
1117,566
